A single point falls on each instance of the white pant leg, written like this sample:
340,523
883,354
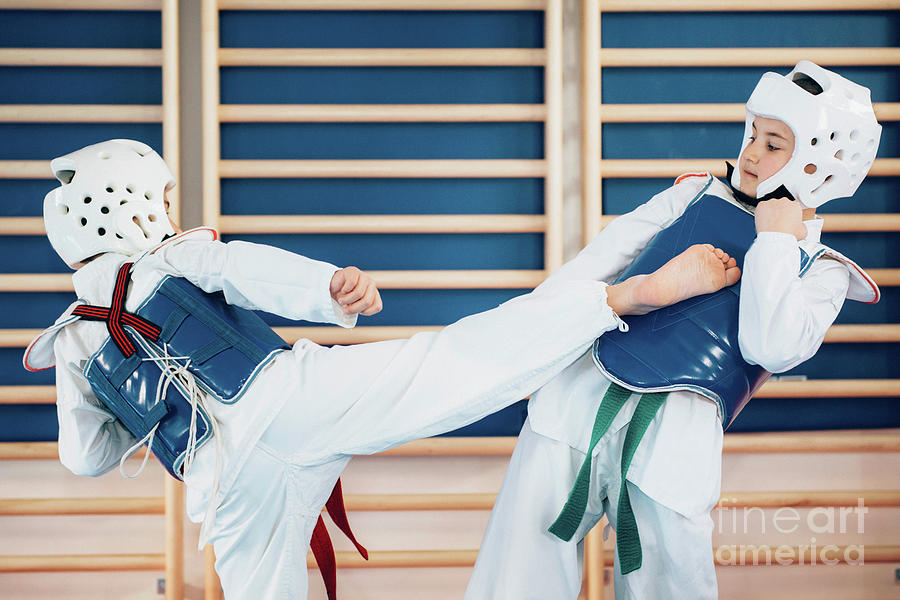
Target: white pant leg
519,559
363,399
262,529
677,553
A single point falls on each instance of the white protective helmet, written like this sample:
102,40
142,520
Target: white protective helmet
111,200
834,127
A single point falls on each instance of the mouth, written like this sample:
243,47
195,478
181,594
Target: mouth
749,174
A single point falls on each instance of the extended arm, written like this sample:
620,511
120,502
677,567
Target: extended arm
261,277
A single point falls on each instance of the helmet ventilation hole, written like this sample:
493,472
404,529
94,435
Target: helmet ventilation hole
839,155
148,195
87,199
63,209
110,189
152,218
83,221
129,189
101,231
104,210
855,157
119,236
104,155
810,169
834,135
823,184
121,202
813,141
854,135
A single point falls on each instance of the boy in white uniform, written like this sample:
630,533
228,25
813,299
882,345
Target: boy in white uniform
812,134
280,441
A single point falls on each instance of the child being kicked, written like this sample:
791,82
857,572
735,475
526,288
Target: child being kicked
660,393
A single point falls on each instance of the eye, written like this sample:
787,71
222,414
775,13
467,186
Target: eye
773,148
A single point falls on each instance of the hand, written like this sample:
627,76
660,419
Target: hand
355,292
781,214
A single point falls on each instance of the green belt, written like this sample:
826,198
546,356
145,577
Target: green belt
628,542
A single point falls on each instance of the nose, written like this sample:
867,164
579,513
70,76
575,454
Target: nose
751,152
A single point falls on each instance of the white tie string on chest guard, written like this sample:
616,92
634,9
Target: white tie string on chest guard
172,370
112,199
836,134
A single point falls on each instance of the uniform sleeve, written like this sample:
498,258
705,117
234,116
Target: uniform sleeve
783,317
614,248
91,439
259,277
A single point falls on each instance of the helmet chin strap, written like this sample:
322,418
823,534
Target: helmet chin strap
779,192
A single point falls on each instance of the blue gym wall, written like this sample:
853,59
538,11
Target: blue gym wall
339,29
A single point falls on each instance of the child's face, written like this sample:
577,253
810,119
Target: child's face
770,148
171,222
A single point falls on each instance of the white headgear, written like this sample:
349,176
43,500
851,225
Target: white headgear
835,131
111,200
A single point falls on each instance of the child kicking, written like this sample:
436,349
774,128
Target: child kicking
162,349
648,404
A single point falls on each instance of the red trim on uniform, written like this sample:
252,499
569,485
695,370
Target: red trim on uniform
687,175
868,279
213,231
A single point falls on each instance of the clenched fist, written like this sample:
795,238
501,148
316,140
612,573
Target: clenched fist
781,214
355,291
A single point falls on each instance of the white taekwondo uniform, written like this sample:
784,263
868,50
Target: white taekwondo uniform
286,441
676,470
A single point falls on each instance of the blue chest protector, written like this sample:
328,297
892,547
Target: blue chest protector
222,346
691,345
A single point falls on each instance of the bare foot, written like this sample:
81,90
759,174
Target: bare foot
701,269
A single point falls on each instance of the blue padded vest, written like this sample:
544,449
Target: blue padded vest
691,345
227,346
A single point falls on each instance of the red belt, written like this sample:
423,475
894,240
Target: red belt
321,542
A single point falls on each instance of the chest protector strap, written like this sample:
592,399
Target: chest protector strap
181,336
691,345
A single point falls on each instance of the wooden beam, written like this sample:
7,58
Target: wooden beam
379,113
650,167
80,57
739,555
747,57
799,442
842,441
426,168
760,5
381,5
81,506
80,113
52,563
382,224
830,388
80,5
704,113
382,57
